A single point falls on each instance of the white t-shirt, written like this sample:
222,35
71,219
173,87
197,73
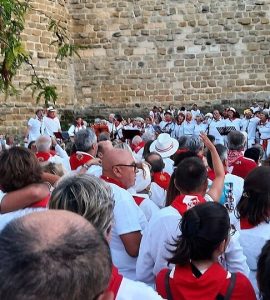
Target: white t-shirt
128,217
51,125
168,165
35,129
157,194
8,217
252,240
156,242
250,127
135,290
212,129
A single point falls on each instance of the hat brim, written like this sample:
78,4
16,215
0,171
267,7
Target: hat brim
167,153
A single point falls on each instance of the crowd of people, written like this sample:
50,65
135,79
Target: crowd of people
172,206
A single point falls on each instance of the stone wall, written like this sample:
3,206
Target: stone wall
141,53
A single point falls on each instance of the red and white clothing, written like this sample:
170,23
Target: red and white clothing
124,288
158,188
61,157
161,232
264,133
138,151
51,125
252,239
238,164
128,218
184,285
80,158
73,129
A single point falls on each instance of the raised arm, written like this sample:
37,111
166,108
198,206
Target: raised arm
216,189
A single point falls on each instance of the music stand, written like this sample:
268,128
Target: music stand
128,134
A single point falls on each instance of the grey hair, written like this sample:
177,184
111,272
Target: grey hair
87,196
136,140
122,145
182,141
43,143
194,143
148,136
85,139
236,140
222,152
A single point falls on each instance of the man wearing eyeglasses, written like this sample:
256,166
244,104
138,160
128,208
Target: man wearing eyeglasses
119,170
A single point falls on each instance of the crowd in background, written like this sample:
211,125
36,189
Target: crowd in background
172,206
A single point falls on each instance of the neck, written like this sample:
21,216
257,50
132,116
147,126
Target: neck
203,265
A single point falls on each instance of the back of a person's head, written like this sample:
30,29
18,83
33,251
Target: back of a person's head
52,168
254,204
19,167
87,196
222,152
236,140
191,175
263,272
204,227
194,144
183,154
43,143
156,161
146,149
104,136
53,255
85,139
253,153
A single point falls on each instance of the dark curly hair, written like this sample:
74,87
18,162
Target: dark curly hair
19,167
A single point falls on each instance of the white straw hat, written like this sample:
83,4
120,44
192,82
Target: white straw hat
165,145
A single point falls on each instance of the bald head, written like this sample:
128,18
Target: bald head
119,164
44,248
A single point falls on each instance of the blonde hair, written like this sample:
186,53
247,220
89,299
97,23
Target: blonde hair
87,196
52,168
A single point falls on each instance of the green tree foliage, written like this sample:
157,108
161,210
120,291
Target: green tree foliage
13,53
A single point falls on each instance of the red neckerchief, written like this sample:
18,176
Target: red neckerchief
139,147
114,181
244,224
42,203
184,202
43,156
115,282
78,159
52,152
211,174
137,199
162,179
233,156
184,150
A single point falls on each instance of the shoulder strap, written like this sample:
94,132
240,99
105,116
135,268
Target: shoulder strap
167,285
230,287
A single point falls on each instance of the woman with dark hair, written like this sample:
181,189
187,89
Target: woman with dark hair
205,234
263,272
253,211
76,126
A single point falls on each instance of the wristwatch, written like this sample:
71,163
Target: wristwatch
86,166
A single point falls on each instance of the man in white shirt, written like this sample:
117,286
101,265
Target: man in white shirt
249,125
35,127
119,170
167,126
51,122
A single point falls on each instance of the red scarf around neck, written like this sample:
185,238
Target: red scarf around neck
184,202
162,179
233,156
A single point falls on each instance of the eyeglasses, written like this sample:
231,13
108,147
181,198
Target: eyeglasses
133,165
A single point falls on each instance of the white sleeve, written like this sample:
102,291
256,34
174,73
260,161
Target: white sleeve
2,195
154,250
71,130
126,218
61,152
235,259
30,122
